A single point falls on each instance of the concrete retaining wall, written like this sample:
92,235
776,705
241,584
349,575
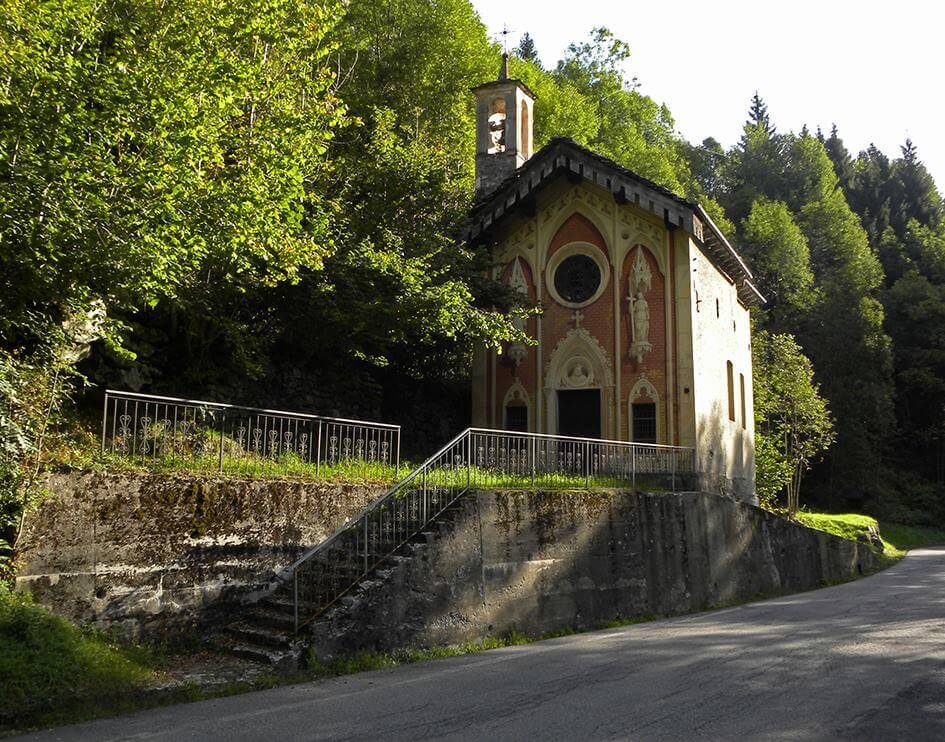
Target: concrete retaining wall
145,553
548,561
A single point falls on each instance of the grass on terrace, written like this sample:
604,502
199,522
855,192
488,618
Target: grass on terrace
80,449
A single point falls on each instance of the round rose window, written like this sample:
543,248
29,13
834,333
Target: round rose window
577,278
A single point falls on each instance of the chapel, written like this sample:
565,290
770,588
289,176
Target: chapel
643,332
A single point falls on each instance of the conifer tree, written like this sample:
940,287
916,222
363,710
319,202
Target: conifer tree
758,115
915,195
870,194
526,49
840,157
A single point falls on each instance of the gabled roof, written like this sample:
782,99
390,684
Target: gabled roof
565,156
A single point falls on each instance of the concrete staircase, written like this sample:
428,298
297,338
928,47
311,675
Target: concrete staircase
264,632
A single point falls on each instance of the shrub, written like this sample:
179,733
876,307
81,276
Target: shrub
47,663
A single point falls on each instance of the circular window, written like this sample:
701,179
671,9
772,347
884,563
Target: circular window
577,278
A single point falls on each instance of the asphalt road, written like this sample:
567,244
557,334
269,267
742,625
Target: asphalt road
864,660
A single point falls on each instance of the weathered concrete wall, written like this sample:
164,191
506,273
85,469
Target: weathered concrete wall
151,552
547,561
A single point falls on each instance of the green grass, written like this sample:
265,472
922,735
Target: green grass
282,467
53,672
79,448
897,538
911,537
846,525
48,664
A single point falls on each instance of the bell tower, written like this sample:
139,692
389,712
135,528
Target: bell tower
504,115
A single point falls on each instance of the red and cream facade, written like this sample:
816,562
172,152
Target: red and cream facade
643,331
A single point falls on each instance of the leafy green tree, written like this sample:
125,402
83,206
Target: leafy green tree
777,250
398,299
149,151
915,307
845,338
705,164
842,329
755,166
792,423
758,117
870,193
561,109
634,130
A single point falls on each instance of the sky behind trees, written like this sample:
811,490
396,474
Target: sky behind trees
870,68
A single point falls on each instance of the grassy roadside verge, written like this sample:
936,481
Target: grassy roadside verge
47,663
897,538
53,672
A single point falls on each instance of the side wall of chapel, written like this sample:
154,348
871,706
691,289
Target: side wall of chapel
723,384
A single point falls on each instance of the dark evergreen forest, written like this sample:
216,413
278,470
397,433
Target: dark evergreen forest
260,202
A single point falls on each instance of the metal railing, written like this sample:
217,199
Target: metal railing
475,459
193,434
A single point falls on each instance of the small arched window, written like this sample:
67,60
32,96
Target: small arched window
741,387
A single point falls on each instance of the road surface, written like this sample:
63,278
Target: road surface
864,660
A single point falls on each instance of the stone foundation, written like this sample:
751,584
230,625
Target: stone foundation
548,561
148,553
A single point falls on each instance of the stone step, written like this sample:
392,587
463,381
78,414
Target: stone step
283,660
249,632
265,631
262,615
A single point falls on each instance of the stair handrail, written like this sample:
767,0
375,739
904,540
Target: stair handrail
373,505
572,458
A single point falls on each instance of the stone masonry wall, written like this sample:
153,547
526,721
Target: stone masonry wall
146,553
548,561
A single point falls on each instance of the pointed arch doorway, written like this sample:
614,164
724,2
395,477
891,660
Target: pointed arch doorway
579,388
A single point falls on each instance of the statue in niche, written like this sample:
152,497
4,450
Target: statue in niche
496,133
639,308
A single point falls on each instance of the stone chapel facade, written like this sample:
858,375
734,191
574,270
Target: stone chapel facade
644,331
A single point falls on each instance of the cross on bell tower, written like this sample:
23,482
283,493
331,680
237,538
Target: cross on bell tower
504,33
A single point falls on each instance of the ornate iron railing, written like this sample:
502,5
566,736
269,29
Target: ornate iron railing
475,459
193,434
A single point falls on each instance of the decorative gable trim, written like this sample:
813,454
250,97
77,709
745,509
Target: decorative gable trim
562,156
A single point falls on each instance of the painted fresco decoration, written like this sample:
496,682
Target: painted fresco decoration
517,351
639,308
